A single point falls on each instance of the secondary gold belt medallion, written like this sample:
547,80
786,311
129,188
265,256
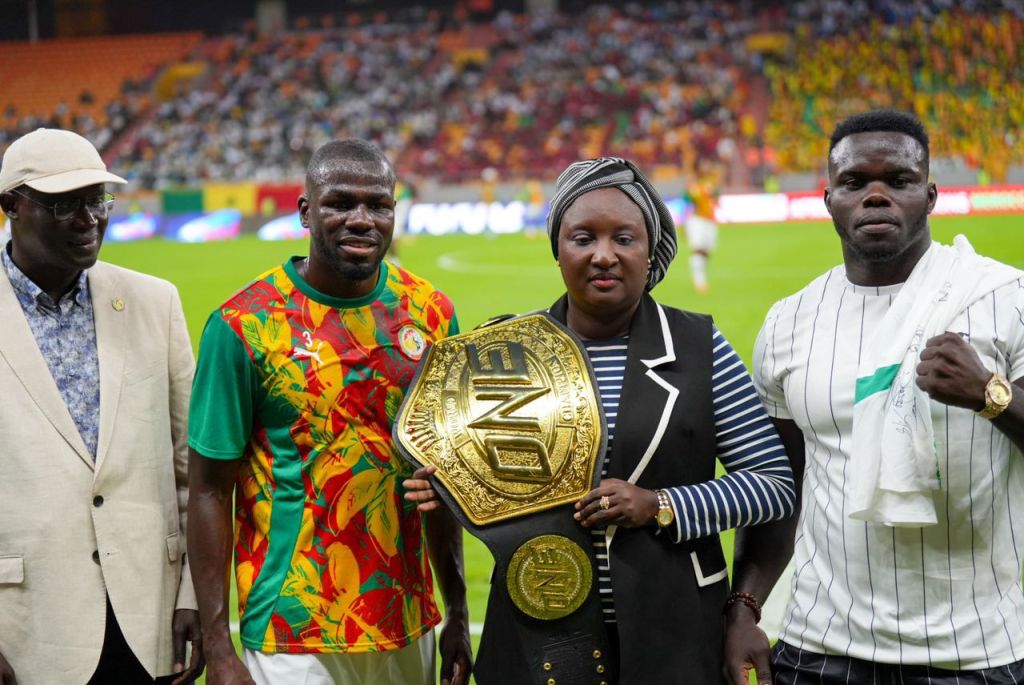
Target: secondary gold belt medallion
510,415
549,577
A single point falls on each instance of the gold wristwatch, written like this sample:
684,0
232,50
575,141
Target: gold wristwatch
998,394
665,515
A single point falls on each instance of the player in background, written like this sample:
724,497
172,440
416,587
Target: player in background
701,229
405,194
531,194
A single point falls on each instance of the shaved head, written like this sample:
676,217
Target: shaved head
348,155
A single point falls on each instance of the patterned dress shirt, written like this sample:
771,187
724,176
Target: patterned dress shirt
66,335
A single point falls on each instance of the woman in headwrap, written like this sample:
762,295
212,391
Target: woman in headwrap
676,397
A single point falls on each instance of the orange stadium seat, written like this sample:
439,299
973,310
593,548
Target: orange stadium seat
37,78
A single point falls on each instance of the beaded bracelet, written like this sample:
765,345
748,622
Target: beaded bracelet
744,598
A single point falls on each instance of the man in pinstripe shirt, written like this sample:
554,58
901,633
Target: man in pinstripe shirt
876,601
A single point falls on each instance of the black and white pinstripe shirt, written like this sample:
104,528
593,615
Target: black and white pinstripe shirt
947,595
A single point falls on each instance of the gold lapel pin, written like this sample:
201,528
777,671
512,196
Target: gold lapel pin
117,303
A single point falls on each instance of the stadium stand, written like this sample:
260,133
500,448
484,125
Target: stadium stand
958,70
754,85
96,86
525,94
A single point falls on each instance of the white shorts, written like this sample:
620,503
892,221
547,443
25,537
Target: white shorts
413,664
701,233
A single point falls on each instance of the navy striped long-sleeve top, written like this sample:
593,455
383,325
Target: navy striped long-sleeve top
758,485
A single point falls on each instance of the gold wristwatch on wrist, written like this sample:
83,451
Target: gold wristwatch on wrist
665,515
998,395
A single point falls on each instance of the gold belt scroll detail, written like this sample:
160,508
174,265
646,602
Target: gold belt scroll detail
549,576
509,416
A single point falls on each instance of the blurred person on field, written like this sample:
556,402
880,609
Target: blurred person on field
95,371
531,194
489,185
896,381
701,227
405,195
677,401
300,376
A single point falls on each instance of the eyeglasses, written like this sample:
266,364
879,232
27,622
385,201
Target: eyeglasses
67,208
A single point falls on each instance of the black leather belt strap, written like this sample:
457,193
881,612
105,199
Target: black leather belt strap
572,650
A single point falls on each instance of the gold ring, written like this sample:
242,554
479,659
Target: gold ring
605,502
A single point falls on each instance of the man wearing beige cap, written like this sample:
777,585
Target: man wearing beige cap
95,372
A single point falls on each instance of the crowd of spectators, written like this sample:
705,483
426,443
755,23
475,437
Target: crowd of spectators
117,115
750,84
99,86
523,94
959,67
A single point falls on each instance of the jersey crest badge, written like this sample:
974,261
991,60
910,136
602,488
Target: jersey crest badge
412,342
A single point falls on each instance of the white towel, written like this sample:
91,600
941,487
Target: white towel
895,464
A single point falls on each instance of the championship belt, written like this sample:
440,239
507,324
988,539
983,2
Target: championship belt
510,416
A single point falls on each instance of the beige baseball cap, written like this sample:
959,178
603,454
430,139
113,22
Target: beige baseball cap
51,160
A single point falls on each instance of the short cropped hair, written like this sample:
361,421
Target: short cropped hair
345,153
885,120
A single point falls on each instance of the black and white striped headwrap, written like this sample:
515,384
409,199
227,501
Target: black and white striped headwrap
613,172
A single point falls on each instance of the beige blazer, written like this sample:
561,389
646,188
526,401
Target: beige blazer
62,548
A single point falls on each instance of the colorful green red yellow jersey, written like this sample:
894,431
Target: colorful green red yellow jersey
303,388
702,195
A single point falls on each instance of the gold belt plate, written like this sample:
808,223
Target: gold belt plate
549,576
509,415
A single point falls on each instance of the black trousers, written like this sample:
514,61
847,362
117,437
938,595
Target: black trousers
118,664
794,666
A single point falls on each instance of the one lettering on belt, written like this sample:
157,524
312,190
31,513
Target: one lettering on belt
512,387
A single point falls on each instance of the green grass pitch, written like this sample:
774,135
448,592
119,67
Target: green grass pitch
754,266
